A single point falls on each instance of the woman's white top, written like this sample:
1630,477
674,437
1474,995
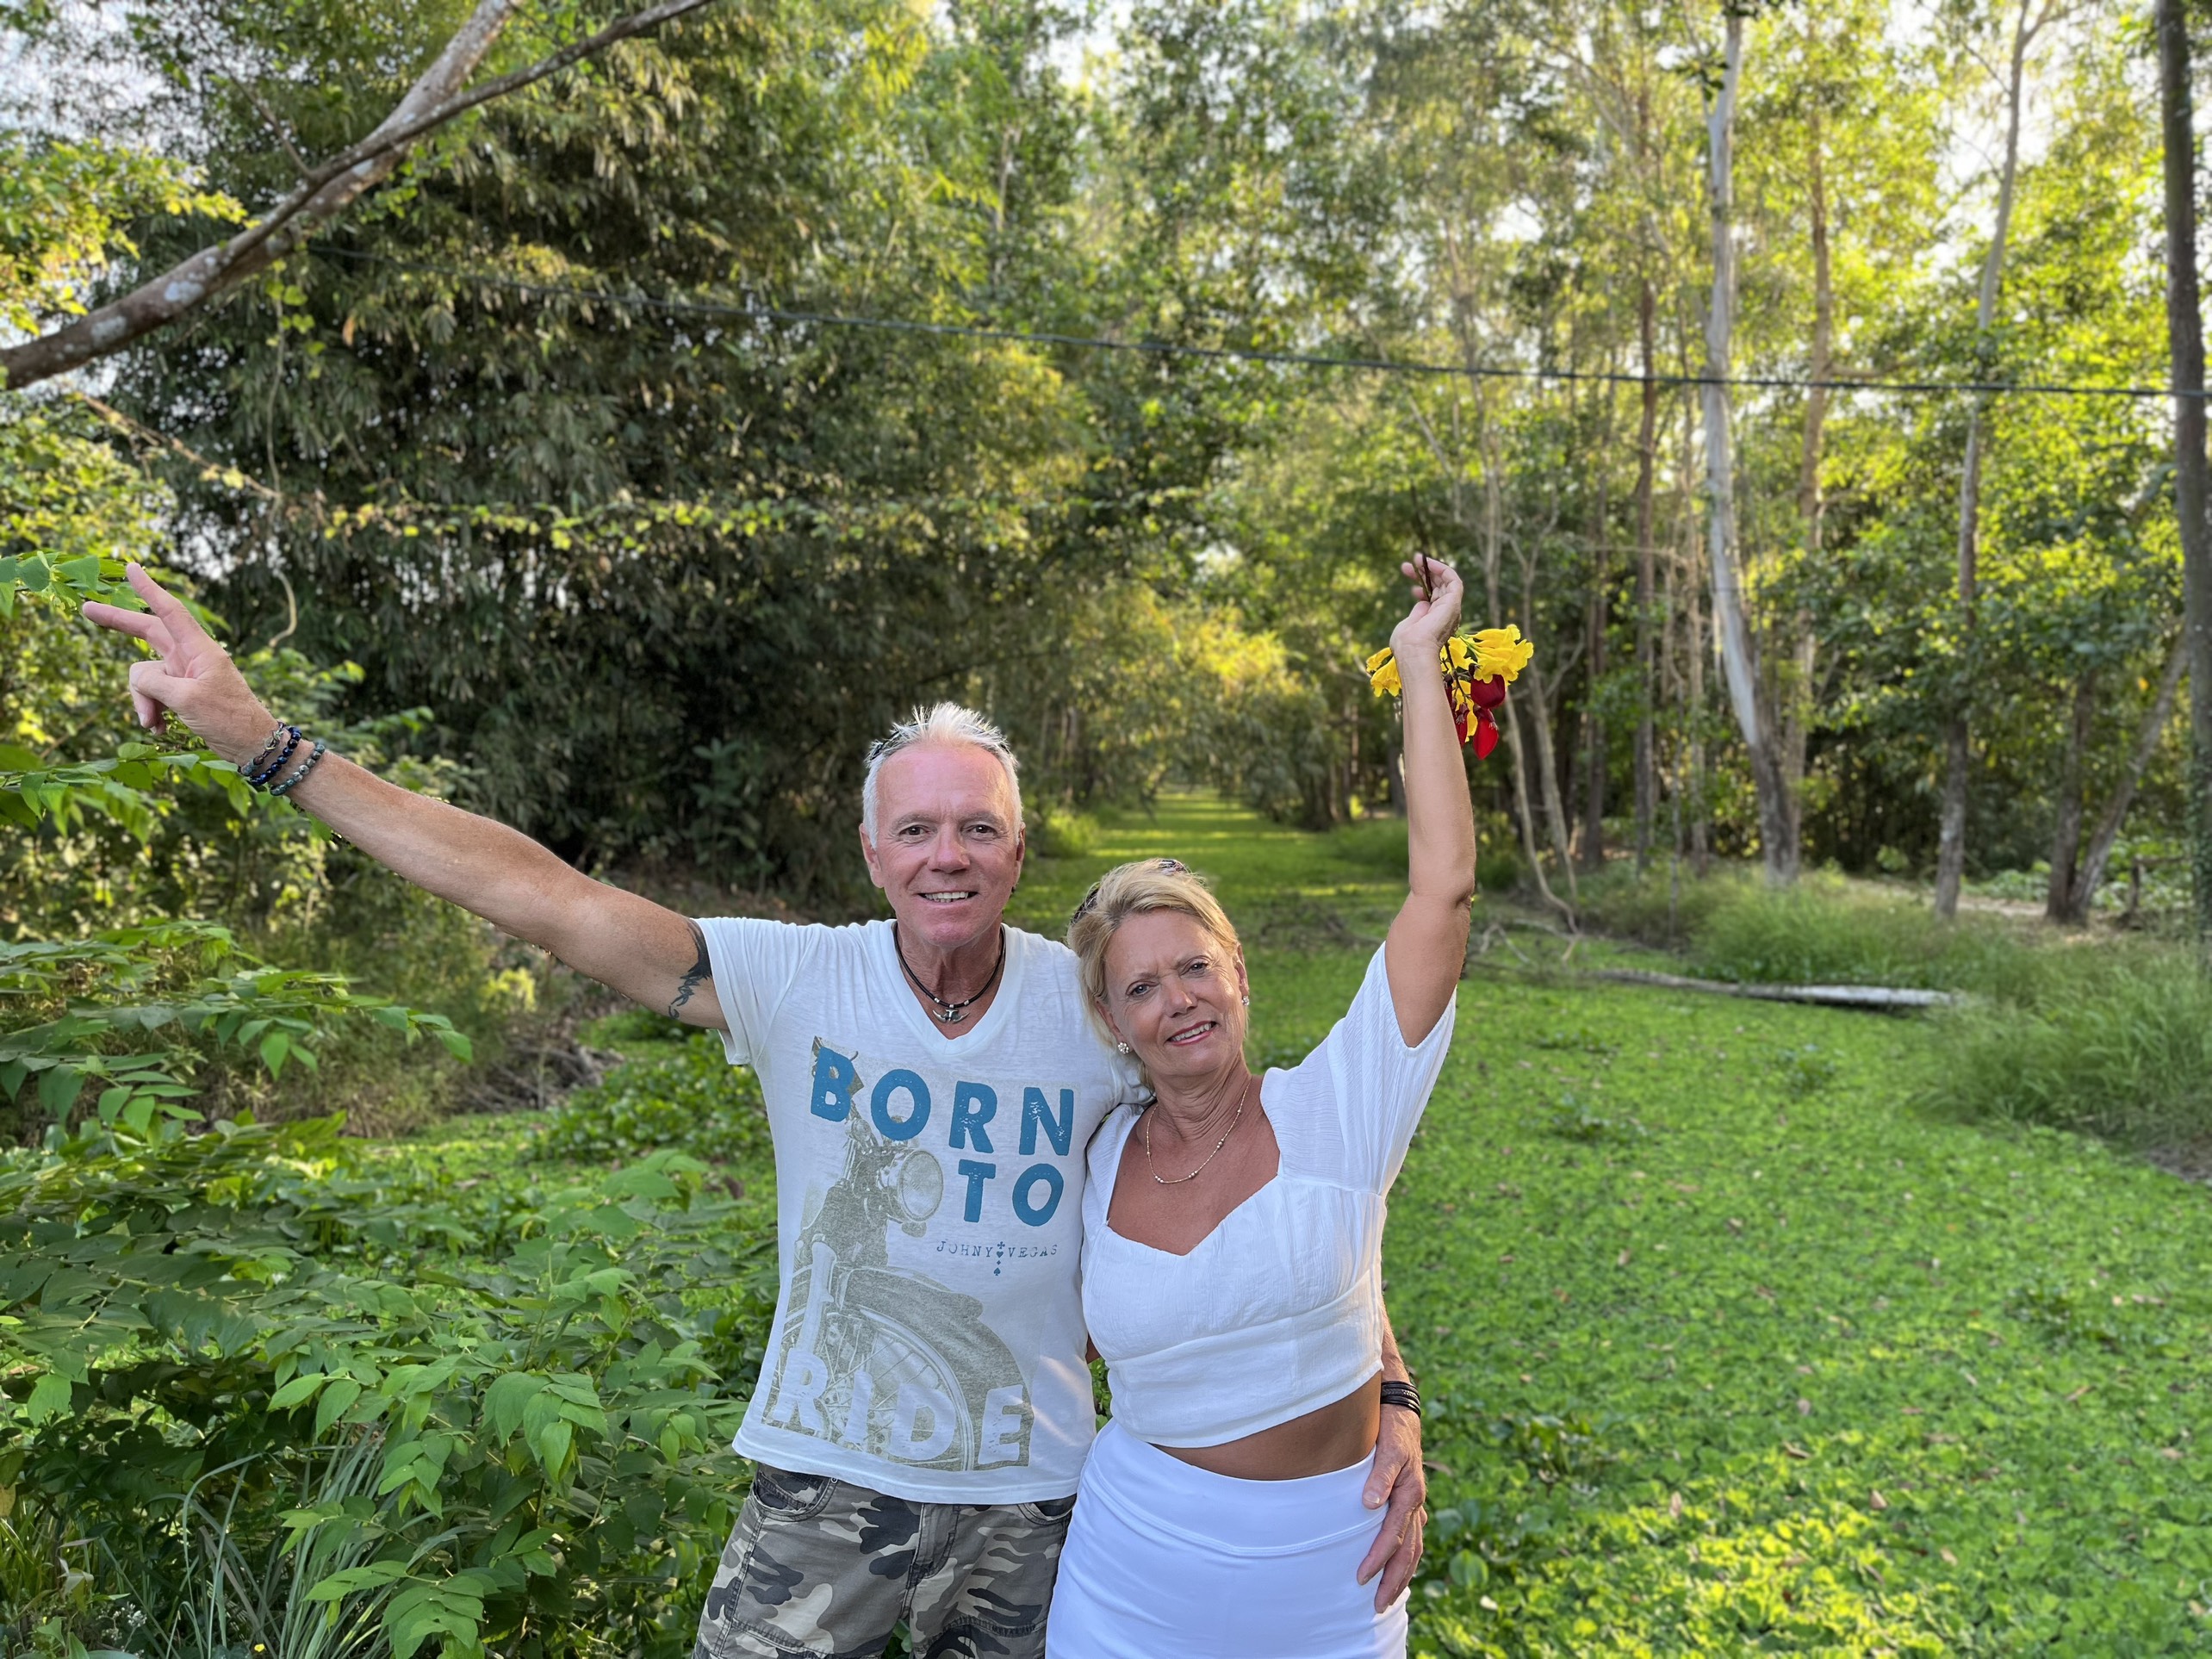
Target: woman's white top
1277,1311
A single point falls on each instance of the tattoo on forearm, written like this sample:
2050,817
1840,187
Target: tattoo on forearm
695,976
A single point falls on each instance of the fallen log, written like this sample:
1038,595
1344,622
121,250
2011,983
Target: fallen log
1883,999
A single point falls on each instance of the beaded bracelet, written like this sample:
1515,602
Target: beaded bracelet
260,780
1402,1394
247,769
305,767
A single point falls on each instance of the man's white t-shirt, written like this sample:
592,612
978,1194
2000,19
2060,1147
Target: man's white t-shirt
929,1337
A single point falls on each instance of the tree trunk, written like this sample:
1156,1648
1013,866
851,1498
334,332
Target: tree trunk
2065,831
2186,339
1494,536
2090,876
1739,657
1958,746
1647,630
1547,766
1793,699
1597,617
1696,646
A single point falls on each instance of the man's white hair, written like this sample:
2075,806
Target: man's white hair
945,723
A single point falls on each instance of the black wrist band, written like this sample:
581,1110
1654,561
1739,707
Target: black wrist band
1404,1396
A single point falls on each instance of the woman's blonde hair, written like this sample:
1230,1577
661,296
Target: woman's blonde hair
1127,889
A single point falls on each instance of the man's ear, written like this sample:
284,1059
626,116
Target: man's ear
868,853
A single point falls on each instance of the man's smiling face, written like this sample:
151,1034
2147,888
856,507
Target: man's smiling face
948,843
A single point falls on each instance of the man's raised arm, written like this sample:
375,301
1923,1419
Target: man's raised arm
637,946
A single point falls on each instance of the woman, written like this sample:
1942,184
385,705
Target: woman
1231,1256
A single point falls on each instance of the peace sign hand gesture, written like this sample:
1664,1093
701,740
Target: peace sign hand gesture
189,674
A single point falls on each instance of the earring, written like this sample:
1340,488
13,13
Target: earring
1121,1048
1245,1001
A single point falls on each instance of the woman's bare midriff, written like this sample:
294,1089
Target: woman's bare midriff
1320,1442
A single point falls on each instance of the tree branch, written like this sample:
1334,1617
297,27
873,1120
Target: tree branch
437,97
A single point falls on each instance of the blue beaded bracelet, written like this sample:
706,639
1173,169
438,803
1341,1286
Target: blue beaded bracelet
247,769
305,767
260,780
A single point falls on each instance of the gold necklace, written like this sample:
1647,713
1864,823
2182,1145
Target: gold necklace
1211,1156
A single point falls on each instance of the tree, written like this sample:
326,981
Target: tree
2032,17
2193,497
1739,656
438,94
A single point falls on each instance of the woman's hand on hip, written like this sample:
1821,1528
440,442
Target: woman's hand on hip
1397,1475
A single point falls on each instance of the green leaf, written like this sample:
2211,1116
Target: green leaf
344,1582
273,1047
506,1401
50,1398
298,1391
550,1445
59,1088
338,1398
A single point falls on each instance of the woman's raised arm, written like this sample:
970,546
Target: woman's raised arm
635,946
1427,946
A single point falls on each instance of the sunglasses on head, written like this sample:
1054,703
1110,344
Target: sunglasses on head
1165,866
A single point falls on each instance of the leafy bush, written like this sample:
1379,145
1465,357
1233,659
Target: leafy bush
693,1102
1066,835
273,1384
141,1012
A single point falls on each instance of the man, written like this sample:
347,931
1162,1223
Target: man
924,1406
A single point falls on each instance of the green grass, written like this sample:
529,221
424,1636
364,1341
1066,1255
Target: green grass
2102,1033
1731,1349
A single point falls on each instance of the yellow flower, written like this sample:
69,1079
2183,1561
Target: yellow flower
1382,673
1502,653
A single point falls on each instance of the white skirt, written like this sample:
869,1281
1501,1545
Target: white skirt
1166,1560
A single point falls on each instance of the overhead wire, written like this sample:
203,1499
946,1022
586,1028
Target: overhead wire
756,312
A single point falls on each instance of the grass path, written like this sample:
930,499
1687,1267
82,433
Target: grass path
1730,1350
1733,1350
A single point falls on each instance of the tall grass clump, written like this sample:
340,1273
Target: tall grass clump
1820,932
1655,908
2129,1058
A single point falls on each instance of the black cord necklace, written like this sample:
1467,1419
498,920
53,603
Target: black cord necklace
946,1013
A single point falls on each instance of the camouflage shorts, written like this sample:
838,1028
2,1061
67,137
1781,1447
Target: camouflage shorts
817,1569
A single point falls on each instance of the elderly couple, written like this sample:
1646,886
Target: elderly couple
997,1155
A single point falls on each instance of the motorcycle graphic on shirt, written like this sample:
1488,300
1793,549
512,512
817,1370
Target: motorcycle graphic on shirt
882,1359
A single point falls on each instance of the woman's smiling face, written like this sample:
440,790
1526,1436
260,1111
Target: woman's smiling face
1176,996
